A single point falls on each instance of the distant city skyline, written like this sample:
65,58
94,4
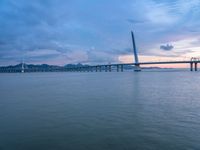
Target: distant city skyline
59,32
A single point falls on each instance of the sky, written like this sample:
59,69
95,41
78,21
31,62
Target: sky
60,32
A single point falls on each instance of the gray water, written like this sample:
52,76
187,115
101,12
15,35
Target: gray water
100,111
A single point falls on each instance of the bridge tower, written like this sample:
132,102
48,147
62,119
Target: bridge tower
137,65
22,69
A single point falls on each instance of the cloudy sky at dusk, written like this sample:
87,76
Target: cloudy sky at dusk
97,31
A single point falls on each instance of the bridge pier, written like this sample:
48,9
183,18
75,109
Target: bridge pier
109,68
191,66
117,68
96,68
137,68
106,68
122,68
195,66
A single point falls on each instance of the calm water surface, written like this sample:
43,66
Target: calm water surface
100,111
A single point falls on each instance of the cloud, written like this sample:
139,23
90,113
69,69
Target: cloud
166,47
2,43
136,21
42,53
64,31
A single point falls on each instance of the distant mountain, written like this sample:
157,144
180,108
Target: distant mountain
52,68
19,66
42,66
38,68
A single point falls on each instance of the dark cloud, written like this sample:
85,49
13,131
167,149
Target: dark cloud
135,21
166,47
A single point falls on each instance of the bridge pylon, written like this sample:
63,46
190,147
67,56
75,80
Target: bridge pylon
137,65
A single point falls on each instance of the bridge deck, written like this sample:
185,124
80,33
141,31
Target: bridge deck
150,63
106,67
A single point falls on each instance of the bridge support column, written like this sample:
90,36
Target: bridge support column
117,68
96,68
122,68
109,68
195,66
106,69
137,68
100,68
191,66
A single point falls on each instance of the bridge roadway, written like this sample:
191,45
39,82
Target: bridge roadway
151,63
105,67
154,63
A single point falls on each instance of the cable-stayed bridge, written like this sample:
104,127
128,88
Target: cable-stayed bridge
192,63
